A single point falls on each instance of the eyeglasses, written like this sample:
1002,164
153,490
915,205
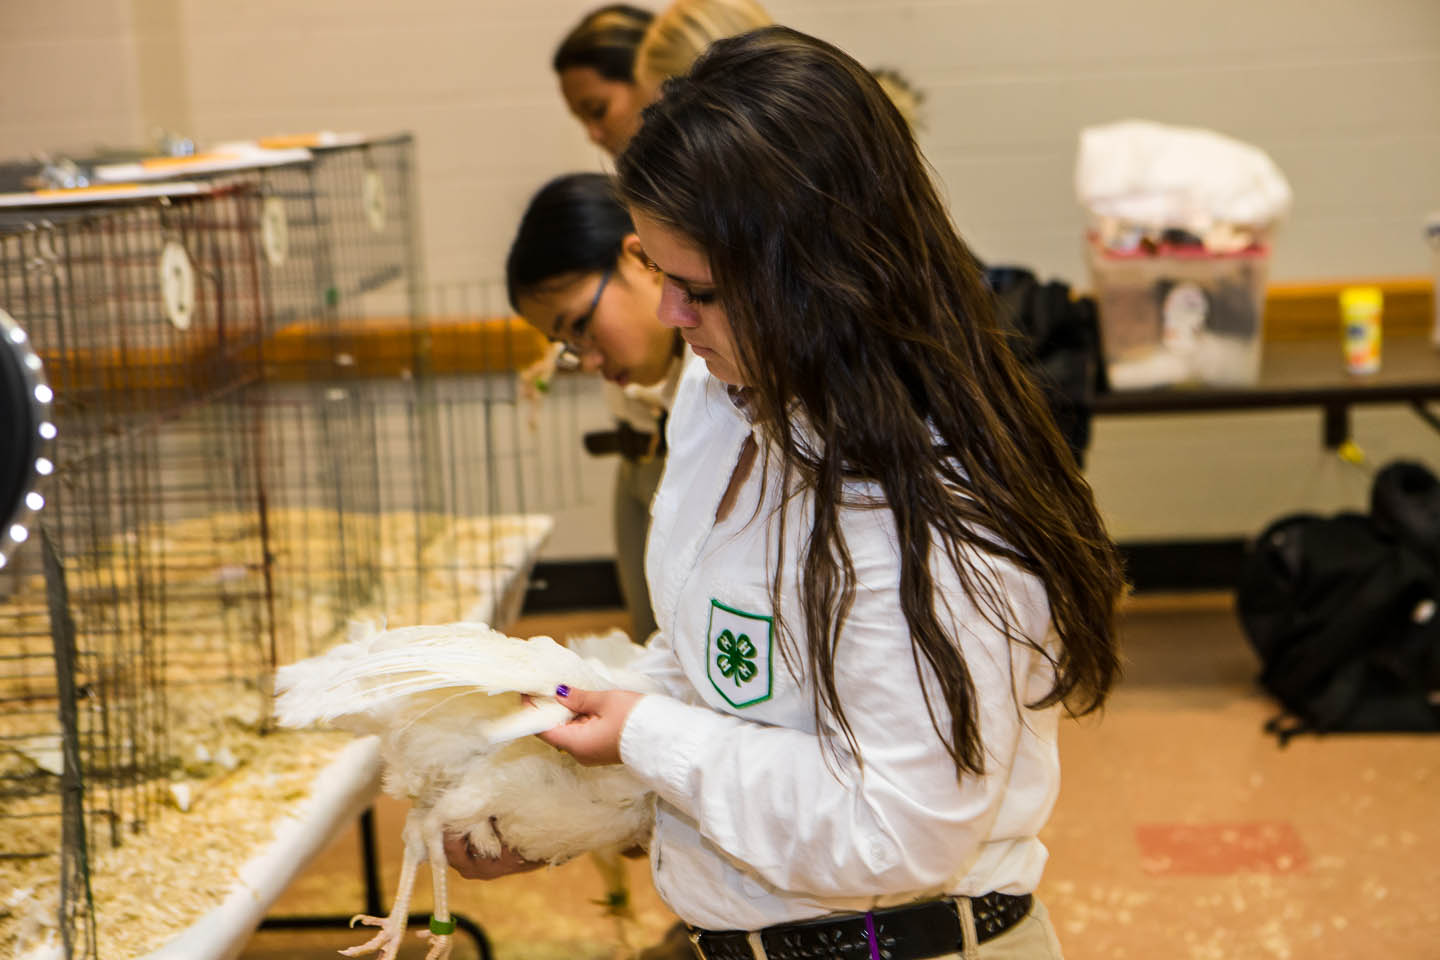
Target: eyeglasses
571,348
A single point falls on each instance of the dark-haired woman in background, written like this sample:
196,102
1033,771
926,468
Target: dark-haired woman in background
576,273
596,67
878,572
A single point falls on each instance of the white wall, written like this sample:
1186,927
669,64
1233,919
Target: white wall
69,78
1343,93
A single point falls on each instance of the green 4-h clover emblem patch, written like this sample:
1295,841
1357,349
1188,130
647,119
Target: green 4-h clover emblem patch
737,654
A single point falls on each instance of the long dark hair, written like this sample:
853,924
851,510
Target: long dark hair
574,224
605,41
872,352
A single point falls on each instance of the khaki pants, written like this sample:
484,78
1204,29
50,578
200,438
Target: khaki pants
635,485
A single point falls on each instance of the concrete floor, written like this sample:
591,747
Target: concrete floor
1182,830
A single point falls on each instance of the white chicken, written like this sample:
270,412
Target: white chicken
455,738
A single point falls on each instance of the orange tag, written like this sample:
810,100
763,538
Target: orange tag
290,142
98,188
163,163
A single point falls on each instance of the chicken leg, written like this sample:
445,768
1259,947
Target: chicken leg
440,919
392,928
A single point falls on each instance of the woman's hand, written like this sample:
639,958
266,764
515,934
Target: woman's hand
472,866
593,735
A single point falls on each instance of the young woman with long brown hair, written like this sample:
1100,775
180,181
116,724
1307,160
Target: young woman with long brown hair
878,574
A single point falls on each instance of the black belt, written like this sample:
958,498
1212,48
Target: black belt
911,932
630,443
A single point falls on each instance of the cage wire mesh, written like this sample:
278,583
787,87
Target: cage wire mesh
267,427
473,464
460,466
322,503
364,193
387,392
148,317
320,511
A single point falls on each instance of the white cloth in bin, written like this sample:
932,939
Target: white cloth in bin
1160,177
1211,358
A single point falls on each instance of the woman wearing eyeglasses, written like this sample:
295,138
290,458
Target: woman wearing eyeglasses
576,273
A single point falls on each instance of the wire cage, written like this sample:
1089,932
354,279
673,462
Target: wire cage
338,230
419,398
148,316
462,551
212,514
322,515
342,203
472,465
433,371
262,433
364,188
322,507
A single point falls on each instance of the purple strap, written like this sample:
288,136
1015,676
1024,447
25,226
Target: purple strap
870,935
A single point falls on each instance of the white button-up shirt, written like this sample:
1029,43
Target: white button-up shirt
757,821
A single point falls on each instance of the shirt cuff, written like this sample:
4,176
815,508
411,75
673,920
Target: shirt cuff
662,742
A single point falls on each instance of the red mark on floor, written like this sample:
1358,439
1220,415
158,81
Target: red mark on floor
1220,848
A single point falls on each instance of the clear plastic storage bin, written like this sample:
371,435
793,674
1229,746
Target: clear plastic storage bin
1180,315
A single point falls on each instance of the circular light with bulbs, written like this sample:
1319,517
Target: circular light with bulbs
26,429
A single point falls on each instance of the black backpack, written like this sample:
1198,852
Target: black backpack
1057,337
1343,613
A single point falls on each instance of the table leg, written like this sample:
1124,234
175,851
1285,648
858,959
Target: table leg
1426,414
1337,425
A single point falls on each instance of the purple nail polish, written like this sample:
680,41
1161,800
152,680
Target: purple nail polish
562,691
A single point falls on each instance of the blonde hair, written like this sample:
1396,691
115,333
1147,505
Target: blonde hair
680,33
907,97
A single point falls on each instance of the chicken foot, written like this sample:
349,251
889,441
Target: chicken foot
392,928
442,925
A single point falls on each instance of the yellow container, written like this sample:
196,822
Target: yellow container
1360,309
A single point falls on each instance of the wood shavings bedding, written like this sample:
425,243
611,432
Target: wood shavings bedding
215,600
216,696
159,882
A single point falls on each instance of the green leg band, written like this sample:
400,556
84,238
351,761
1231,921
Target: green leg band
442,928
